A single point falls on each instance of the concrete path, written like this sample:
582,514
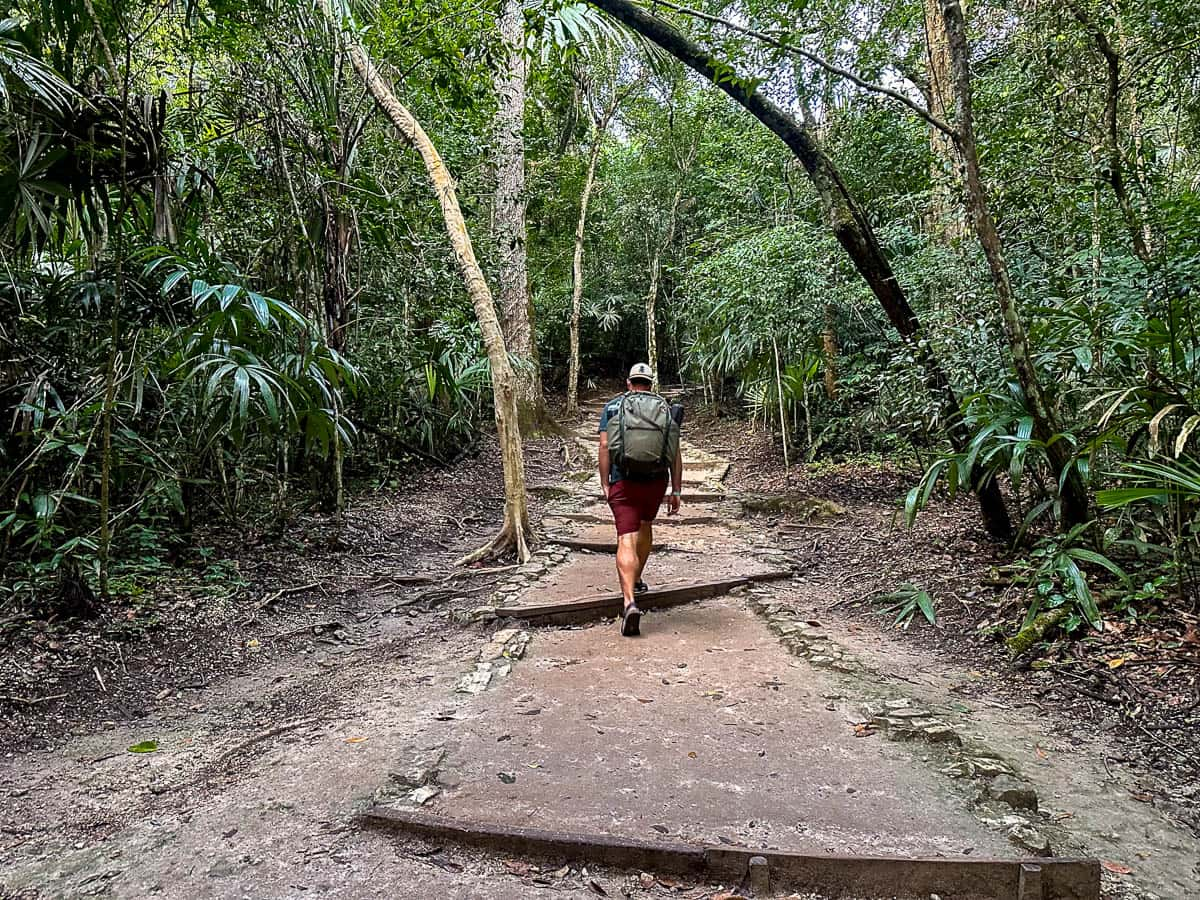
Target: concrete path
729,721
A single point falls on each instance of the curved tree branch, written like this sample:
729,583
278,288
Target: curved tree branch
775,42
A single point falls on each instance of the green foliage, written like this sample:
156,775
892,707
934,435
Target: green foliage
905,602
1058,578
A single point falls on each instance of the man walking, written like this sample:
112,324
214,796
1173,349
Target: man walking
639,452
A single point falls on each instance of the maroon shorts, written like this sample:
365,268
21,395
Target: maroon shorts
635,502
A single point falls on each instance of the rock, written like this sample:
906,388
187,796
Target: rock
504,635
901,703
1016,794
423,771
423,795
1029,838
491,651
942,734
988,766
909,712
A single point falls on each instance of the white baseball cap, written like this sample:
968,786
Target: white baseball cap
641,371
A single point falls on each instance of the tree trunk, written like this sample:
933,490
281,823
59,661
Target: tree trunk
783,425
577,278
945,220
652,291
1073,494
515,533
516,304
335,275
847,220
829,345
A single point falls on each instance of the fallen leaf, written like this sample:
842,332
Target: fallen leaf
692,754
661,829
644,700
597,887
144,747
1116,662
356,740
517,868
1042,754
1116,868
253,643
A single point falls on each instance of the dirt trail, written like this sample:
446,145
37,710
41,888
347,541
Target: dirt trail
746,719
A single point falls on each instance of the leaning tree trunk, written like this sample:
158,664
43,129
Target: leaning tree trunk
577,279
515,533
847,220
1073,494
652,290
516,305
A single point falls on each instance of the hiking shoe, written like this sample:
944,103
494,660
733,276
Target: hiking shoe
630,621
640,587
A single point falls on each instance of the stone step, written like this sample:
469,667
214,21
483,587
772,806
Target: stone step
769,870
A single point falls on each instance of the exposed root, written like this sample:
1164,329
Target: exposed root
510,540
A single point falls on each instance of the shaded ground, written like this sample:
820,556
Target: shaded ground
1147,707
318,590
261,768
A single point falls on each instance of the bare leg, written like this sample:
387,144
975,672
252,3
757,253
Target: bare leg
645,543
628,565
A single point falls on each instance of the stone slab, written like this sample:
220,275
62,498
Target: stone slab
705,729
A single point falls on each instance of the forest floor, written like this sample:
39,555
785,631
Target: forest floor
340,674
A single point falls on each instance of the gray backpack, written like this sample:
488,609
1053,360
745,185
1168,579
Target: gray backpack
643,437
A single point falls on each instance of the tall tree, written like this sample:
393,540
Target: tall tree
1046,425
945,210
516,304
683,159
601,110
846,217
515,533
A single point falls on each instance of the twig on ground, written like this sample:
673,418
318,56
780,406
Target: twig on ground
31,701
297,589
319,626
1182,754
261,736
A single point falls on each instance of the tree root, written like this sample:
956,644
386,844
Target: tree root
510,539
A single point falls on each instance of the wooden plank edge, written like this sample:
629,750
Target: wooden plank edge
669,521
977,878
598,546
583,609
